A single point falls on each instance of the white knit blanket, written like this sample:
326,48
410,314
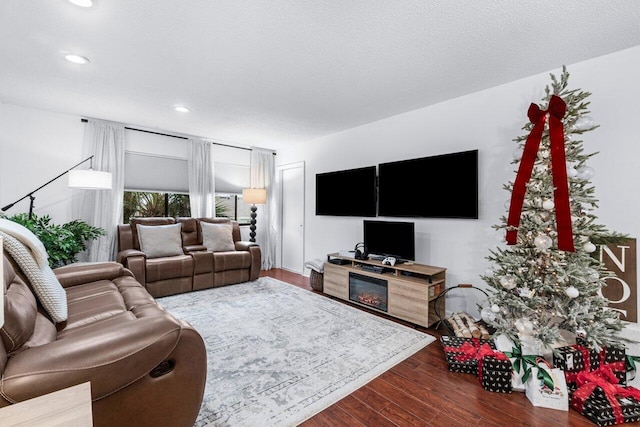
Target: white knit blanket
27,237
43,281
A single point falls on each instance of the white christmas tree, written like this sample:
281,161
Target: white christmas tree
547,279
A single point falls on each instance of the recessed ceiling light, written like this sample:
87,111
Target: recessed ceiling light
82,3
181,108
76,59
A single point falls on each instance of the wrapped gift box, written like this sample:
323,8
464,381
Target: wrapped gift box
495,373
612,357
461,353
603,410
615,358
573,359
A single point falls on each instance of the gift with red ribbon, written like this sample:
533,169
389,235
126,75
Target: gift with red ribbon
494,370
613,357
574,359
556,111
599,398
461,353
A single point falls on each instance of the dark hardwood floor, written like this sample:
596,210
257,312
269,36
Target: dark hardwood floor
420,391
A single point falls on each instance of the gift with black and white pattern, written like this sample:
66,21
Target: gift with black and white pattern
461,353
607,406
494,373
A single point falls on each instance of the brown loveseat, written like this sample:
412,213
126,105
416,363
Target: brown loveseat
145,367
189,266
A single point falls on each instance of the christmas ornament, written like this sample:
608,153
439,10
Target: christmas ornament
495,308
487,315
524,326
589,247
526,292
508,282
548,204
542,242
586,172
584,123
572,172
572,292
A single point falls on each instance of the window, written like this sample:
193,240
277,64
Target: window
154,204
231,206
156,178
150,204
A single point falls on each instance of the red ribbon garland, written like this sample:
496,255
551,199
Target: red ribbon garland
557,109
588,381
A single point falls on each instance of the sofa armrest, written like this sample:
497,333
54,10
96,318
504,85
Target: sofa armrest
129,253
194,248
243,245
135,261
111,358
86,272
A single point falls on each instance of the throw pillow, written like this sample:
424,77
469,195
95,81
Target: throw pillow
158,241
43,281
217,237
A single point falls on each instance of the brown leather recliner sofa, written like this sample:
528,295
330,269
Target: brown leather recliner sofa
146,368
192,266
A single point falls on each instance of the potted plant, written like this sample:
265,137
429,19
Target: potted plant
62,242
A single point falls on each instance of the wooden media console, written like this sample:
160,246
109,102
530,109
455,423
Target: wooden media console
411,289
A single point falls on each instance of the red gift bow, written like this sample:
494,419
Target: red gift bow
588,381
557,109
586,356
486,351
467,351
618,366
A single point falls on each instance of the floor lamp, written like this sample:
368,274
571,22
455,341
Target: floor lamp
2,289
254,196
87,179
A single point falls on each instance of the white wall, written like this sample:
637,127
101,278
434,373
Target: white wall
36,146
486,120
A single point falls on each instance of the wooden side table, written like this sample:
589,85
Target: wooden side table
68,407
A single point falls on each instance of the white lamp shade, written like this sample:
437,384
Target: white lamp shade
254,196
90,179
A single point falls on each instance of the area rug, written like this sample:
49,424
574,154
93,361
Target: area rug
277,354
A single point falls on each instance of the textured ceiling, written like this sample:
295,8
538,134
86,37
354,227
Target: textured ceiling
273,72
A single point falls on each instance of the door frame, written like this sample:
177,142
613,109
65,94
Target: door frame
280,170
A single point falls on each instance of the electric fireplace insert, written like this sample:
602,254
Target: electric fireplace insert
369,291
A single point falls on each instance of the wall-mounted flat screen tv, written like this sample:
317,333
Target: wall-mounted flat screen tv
443,186
390,238
350,192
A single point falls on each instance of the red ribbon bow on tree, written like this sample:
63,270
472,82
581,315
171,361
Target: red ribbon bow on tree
557,109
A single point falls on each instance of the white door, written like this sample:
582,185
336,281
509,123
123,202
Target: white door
292,214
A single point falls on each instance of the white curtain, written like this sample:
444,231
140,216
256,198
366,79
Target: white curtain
263,172
201,179
102,208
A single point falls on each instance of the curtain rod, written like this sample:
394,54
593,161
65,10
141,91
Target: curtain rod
179,137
